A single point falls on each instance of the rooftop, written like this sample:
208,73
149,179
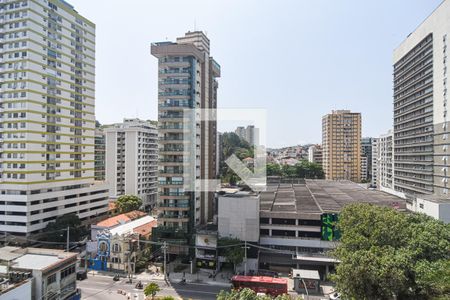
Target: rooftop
34,258
134,226
305,274
121,219
317,196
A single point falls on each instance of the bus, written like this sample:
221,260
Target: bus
261,284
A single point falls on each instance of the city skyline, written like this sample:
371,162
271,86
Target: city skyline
366,35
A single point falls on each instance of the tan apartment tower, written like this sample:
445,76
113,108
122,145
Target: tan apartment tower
341,143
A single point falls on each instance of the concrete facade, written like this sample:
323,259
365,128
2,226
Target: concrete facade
315,154
239,216
47,116
53,271
341,143
187,145
421,128
132,160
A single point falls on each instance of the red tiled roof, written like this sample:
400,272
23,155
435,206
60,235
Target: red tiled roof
146,229
121,219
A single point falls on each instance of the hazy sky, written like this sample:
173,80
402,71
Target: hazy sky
298,59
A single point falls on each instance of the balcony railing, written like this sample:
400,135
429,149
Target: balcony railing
172,194
171,182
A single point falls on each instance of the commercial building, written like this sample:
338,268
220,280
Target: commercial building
421,128
52,273
238,218
297,217
341,144
47,116
16,288
99,155
132,160
315,154
187,83
385,162
436,207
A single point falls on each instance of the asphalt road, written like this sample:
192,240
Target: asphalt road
100,287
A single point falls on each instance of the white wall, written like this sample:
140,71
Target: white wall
22,292
239,217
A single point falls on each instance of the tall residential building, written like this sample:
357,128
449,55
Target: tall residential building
315,154
99,155
364,168
421,117
374,164
341,144
47,116
366,150
241,132
132,160
187,145
385,162
249,134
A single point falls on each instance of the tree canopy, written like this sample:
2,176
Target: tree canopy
386,253
248,294
303,169
151,289
234,254
55,231
127,203
233,144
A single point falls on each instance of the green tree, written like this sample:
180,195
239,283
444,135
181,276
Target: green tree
151,289
384,253
273,169
248,294
233,144
127,203
56,231
232,249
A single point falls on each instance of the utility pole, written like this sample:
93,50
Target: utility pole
67,246
165,264
245,257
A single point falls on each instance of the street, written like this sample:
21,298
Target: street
99,287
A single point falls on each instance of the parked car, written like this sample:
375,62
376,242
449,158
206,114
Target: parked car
335,296
81,275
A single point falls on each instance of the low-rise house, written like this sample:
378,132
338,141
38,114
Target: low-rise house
117,248
115,221
49,273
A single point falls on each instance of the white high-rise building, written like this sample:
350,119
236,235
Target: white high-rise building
384,162
132,160
421,114
374,165
47,116
315,154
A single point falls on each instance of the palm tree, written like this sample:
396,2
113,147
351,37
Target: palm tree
151,289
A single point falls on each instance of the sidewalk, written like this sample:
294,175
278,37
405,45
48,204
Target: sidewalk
201,277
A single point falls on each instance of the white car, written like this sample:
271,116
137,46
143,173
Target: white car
335,296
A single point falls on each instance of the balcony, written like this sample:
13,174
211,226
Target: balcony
170,182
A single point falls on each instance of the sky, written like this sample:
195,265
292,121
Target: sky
296,59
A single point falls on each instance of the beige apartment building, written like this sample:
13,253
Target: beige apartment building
341,144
